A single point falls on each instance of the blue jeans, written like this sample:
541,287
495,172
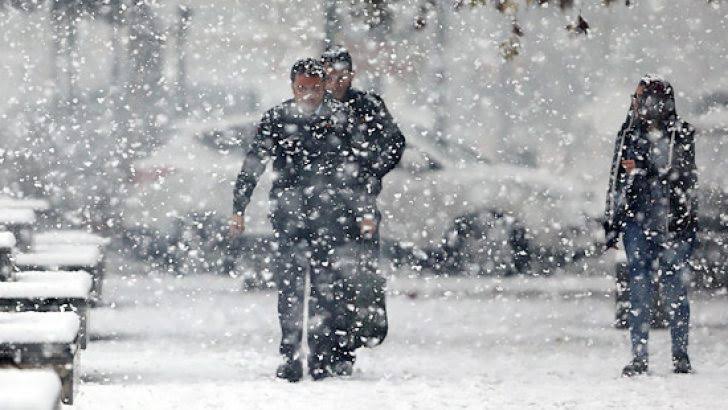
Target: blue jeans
652,258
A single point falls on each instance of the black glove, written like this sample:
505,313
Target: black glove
611,235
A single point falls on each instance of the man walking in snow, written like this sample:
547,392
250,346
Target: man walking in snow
308,140
379,145
652,202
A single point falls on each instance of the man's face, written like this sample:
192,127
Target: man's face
308,92
338,80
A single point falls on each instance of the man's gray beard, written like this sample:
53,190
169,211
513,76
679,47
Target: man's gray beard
306,109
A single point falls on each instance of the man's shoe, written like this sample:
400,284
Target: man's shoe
344,368
636,368
681,364
291,370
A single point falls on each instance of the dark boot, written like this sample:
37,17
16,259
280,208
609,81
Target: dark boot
320,373
344,362
320,365
635,368
681,364
291,370
344,368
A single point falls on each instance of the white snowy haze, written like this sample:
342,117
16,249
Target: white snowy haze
134,125
556,105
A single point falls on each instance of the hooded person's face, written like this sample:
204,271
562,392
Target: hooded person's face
308,92
653,104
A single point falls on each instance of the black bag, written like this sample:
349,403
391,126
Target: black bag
370,313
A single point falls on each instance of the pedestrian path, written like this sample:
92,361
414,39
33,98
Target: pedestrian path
198,342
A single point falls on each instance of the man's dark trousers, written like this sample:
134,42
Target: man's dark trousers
289,264
310,237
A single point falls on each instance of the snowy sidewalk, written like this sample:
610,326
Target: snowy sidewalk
199,343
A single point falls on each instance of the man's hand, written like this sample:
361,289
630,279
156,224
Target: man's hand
629,165
368,226
612,242
237,225
611,236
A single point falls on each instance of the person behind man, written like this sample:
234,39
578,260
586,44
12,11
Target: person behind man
308,141
380,146
652,202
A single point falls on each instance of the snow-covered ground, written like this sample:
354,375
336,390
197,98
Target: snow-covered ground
198,342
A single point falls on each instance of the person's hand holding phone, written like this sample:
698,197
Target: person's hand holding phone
629,165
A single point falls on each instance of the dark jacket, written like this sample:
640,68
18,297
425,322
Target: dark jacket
305,151
382,142
674,174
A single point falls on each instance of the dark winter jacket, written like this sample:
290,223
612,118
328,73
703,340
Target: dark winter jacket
666,176
305,151
383,142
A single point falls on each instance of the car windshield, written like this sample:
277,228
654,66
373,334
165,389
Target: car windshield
452,150
235,138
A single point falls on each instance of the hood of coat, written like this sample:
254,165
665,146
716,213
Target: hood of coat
656,85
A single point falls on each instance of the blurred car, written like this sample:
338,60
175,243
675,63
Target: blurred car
711,123
180,198
445,207
464,213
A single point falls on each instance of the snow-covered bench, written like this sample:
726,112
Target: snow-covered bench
43,291
7,243
37,389
19,222
30,340
88,258
34,204
73,237
40,207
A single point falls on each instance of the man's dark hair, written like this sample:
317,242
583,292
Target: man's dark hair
309,67
339,57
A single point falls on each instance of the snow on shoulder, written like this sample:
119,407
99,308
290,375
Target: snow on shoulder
7,240
29,389
38,327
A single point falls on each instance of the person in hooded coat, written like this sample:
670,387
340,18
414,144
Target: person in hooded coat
652,203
